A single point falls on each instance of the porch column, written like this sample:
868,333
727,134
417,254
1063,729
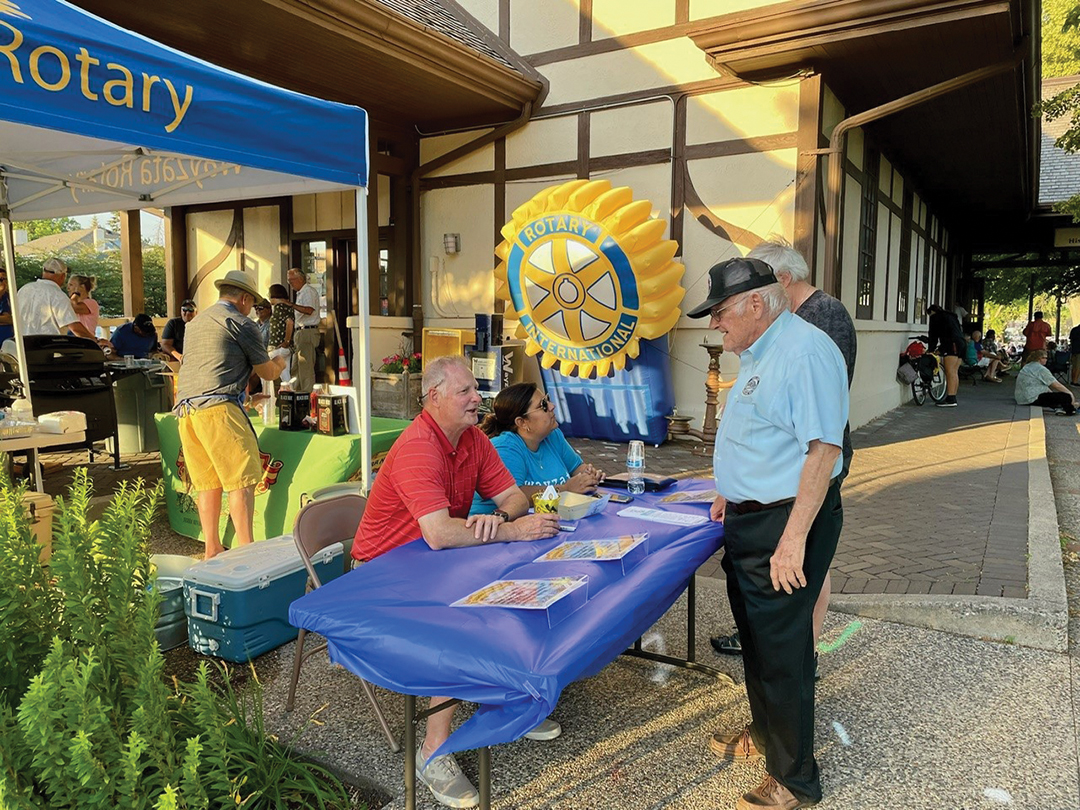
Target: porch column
176,275
132,266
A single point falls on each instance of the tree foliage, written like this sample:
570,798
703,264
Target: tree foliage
106,268
1064,56
1060,46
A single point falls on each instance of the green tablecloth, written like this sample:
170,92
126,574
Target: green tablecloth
294,463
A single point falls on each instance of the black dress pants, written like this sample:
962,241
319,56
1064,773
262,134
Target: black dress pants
777,636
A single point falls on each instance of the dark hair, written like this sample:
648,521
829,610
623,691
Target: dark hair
934,308
510,403
1038,315
278,291
989,332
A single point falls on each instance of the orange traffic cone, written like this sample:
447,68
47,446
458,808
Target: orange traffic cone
343,369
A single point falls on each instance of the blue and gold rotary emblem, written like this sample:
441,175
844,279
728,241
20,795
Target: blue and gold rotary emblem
588,280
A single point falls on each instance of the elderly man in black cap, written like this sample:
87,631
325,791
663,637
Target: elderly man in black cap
777,464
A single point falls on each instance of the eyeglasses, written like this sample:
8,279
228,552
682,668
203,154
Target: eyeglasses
715,312
545,406
186,309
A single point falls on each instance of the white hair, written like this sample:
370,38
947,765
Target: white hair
778,253
773,296
438,370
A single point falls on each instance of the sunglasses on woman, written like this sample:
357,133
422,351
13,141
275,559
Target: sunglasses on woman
545,406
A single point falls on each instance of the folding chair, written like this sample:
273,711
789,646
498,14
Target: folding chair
320,524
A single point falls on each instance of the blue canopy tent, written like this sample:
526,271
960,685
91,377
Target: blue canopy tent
95,118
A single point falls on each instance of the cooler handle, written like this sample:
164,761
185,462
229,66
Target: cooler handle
214,598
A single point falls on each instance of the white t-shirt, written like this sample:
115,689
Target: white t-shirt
307,296
44,309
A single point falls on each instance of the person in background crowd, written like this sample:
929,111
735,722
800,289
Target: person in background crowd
1074,355
945,332
1036,385
7,331
777,462
1036,333
306,337
44,308
526,435
830,316
974,355
992,348
80,291
424,489
281,333
263,311
172,336
221,453
136,339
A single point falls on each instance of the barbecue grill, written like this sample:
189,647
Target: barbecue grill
68,373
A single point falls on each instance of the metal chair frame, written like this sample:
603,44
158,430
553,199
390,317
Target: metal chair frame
319,524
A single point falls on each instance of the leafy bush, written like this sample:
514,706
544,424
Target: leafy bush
106,268
87,719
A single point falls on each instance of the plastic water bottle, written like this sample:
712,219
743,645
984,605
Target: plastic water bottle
635,468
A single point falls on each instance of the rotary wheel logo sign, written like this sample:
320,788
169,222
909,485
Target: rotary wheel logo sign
587,275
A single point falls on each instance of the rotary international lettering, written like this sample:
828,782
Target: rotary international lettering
51,69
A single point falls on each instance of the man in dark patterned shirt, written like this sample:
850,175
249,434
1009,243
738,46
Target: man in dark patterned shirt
832,318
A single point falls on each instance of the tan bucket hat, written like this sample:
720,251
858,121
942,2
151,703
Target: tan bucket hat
236,278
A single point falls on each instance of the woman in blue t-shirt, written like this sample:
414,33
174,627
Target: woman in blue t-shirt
524,431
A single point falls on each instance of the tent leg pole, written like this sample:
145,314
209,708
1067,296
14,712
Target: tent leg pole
362,355
13,288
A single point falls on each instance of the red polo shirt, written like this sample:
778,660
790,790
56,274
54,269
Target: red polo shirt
422,474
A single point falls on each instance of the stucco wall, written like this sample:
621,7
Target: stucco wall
741,164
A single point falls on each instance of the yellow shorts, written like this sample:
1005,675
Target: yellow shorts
220,449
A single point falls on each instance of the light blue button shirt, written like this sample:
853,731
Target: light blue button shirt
791,390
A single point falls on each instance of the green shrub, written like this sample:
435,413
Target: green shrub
87,719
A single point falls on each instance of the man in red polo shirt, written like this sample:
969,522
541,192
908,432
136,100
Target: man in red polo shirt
424,489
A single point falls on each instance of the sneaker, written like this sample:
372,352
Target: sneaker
547,730
769,795
727,645
737,747
948,402
445,780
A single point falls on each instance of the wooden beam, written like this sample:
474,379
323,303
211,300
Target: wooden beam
807,172
131,263
176,276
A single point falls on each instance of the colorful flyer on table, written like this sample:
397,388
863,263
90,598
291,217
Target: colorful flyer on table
696,496
610,548
522,593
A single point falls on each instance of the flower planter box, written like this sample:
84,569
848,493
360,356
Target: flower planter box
395,395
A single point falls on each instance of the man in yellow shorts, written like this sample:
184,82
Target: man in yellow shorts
222,346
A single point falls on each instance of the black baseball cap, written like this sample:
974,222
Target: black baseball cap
144,322
730,278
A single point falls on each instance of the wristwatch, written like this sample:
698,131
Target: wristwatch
502,514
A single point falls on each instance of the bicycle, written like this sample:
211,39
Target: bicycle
922,371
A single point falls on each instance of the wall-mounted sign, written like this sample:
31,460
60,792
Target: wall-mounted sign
1067,237
587,274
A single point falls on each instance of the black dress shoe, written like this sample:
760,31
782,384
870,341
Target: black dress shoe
727,645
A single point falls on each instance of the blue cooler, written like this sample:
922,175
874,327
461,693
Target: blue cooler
238,603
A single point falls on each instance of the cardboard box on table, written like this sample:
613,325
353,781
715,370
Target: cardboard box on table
237,603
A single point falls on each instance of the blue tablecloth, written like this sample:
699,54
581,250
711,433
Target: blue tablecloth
390,621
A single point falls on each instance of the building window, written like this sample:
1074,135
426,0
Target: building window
864,298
